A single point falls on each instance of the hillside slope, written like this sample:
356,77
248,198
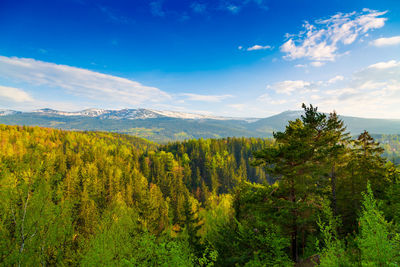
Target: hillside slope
164,126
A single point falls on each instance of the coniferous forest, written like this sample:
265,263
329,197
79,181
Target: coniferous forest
312,195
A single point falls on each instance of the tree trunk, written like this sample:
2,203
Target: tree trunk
294,224
333,186
294,243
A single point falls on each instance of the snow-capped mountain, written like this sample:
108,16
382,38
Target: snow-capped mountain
133,114
86,112
6,112
163,126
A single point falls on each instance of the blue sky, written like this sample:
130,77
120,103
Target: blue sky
248,58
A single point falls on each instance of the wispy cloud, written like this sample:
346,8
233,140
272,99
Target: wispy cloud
206,98
288,87
335,79
395,40
14,94
385,65
299,91
238,107
317,64
156,8
321,41
78,81
266,98
198,7
373,91
235,6
259,47
114,17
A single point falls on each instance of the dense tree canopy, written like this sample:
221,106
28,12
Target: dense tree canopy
312,193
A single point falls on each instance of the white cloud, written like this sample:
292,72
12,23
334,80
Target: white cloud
266,98
258,47
288,87
233,8
371,92
385,65
395,40
335,79
317,64
14,94
79,82
320,42
206,98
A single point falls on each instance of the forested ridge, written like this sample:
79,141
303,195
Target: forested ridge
162,129
312,194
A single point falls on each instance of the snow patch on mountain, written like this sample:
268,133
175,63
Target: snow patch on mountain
6,112
135,114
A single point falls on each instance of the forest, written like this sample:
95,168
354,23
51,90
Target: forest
313,195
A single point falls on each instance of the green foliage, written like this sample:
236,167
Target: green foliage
221,164
295,162
333,252
163,130
119,241
377,245
58,188
391,201
267,247
93,198
245,236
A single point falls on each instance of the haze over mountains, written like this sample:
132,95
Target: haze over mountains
162,126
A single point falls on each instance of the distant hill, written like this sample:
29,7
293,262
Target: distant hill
163,126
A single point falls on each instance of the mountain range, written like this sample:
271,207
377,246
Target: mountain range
163,126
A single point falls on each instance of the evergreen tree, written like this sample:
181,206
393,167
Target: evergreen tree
377,244
293,163
335,154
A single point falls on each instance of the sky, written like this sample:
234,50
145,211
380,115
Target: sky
237,58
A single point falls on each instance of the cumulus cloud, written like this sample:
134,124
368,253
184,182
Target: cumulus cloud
258,47
385,65
320,41
206,98
395,40
373,91
78,81
14,94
